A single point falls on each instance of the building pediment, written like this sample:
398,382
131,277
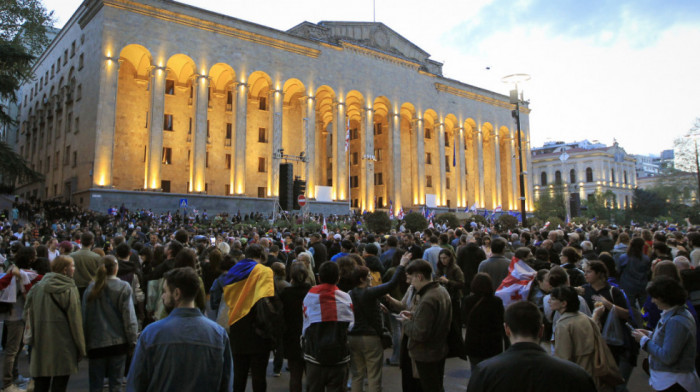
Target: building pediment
371,35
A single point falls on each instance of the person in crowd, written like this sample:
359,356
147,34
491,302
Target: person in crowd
525,365
158,363
85,262
482,314
469,257
427,326
292,298
110,325
497,265
325,333
387,256
634,268
450,276
672,346
54,316
346,247
569,261
431,253
486,245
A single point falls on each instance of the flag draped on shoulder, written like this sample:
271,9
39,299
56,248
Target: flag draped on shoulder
516,286
325,302
245,284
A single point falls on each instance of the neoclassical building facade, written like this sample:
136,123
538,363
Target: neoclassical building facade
588,168
147,101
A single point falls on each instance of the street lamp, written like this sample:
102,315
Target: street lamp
514,80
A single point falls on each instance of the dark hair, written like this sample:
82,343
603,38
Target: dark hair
175,246
328,272
636,247
60,263
346,244
420,266
371,249
662,248
123,250
668,269
278,269
274,248
215,256
185,258
571,255
24,256
598,267
524,319
542,254
255,251
87,239
482,284
42,251
558,276
182,236
667,290
522,253
298,272
106,266
185,279
498,245
392,241
568,294
359,274
609,262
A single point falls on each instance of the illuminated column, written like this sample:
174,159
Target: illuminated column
441,197
461,168
480,160
106,117
274,177
420,160
232,149
515,180
155,141
200,133
527,157
395,154
310,147
368,158
340,174
240,150
497,166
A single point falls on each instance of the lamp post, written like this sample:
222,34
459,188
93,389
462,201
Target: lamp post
514,80
563,158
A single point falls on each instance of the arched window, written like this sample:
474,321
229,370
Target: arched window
543,179
612,174
589,174
572,176
557,177
625,173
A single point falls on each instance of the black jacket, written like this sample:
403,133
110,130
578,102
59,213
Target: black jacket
292,298
527,367
485,335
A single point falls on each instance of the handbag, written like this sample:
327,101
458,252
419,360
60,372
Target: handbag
604,366
387,341
613,332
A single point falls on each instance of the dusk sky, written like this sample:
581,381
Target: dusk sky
601,70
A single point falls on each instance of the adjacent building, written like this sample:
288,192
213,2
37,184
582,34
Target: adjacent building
156,103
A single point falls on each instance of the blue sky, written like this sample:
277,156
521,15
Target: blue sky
601,70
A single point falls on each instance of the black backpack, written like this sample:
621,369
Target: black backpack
268,319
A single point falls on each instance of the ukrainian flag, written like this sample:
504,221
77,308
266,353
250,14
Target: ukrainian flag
244,284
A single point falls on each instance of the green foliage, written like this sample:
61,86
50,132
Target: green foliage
312,227
507,222
415,222
478,219
378,222
551,204
647,206
554,222
449,219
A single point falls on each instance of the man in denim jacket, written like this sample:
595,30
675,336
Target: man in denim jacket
184,351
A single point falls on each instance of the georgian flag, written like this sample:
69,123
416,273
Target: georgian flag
401,214
499,208
430,225
391,210
516,286
325,302
324,228
546,225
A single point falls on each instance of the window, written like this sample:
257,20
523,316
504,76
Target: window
58,64
169,87
208,135
557,177
354,182
65,56
168,122
428,159
261,192
262,135
48,164
146,126
447,163
145,153
81,61
72,49
428,133
262,104
447,183
378,129
543,179
75,158
625,180
429,181
589,174
228,161
354,134
229,101
69,122
77,124
355,158
167,158
227,190
378,179
206,159
572,176
66,157
79,92
57,160
447,141
378,154
262,167
53,70
229,134
165,186
380,201
612,174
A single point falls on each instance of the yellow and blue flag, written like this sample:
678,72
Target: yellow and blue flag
244,284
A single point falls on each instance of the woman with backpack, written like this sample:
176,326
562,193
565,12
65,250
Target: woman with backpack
110,325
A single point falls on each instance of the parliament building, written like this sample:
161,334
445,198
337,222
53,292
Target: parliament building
152,102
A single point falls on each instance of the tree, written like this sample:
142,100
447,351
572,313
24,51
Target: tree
378,222
648,205
449,219
684,149
415,222
551,204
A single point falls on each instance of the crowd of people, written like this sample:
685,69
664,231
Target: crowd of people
169,302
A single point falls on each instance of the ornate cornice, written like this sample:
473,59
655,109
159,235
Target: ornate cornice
477,97
379,55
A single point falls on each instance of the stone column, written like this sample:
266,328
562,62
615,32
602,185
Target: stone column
395,154
310,147
442,190
200,134
106,117
497,164
231,149
240,150
369,158
527,163
515,171
340,173
274,178
155,141
420,161
480,159
461,168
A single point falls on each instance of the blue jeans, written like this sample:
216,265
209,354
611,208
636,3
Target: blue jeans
111,367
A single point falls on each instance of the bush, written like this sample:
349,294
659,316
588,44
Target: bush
449,219
478,219
507,222
378,222
554,222
415,222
